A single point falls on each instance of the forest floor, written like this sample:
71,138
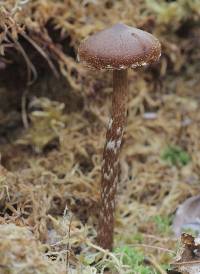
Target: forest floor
53,119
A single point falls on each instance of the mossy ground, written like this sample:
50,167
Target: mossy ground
52,133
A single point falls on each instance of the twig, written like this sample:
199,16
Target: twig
42,53
185,263
156,265
59,55
154,247
104,251
24,112
68,240
18,5
30,66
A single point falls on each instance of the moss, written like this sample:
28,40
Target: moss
175,155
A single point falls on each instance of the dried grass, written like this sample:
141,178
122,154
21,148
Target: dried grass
48,179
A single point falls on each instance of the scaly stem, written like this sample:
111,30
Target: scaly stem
110,165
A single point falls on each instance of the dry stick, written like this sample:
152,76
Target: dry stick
23,111
105,252
188,262
42,53
18,6
29,64
111,159
58,54
154,247
68,241
156,265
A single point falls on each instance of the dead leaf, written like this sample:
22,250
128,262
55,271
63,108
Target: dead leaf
188,256
187,216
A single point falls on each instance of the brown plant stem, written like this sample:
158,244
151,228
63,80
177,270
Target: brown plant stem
110,165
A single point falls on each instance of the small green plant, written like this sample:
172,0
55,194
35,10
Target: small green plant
175,155
137,238
163,223
134,259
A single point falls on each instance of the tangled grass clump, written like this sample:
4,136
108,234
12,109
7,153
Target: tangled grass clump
52,188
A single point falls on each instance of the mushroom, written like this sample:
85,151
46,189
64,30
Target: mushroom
117,48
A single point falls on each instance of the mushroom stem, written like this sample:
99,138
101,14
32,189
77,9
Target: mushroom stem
110,165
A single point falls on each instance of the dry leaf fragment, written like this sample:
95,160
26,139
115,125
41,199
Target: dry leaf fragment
188,256
187,216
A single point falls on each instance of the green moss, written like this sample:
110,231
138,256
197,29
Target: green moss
163,224
172,13
134,259
175,155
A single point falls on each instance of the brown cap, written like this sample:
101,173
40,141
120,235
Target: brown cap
119,47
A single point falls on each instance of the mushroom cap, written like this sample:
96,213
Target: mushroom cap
119,47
